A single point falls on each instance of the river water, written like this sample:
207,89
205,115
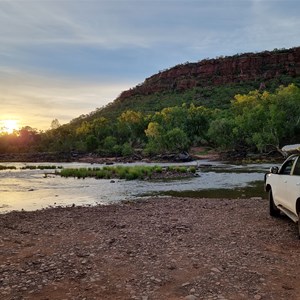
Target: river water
24,189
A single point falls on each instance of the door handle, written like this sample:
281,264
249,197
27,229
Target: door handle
298,183
285,181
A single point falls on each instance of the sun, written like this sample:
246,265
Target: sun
8,126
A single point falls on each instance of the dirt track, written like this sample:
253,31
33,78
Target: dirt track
165,248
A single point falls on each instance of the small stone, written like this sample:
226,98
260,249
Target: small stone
185,284
216,270
257,297
190,297
171,266
111,241
286,287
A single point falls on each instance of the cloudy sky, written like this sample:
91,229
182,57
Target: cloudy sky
63,58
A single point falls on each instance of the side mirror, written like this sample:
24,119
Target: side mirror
274,170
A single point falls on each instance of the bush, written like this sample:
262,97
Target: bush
127,150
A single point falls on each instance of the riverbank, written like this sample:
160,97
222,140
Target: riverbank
92,158
160,248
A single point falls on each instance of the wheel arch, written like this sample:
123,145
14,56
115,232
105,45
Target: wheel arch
298,206
268,188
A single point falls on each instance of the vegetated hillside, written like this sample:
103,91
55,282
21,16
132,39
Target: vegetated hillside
210,82
244,103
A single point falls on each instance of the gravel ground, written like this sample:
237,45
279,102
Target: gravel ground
162,248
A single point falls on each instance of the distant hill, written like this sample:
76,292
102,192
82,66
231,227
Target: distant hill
209,82
254,122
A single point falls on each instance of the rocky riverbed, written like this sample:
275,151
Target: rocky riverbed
160,248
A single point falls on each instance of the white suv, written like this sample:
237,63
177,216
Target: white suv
283,186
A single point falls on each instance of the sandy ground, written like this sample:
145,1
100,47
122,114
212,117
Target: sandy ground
162,248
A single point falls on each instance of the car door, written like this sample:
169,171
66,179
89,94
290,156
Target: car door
293,186
282,184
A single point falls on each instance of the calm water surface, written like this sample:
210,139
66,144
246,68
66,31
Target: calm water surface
32,190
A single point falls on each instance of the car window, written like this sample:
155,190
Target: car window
297,168
287,167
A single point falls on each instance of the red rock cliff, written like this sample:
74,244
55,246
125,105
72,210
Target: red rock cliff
245,67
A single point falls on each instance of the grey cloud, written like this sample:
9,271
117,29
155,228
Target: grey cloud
121,42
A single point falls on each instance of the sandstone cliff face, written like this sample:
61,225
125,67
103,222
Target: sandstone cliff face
236,69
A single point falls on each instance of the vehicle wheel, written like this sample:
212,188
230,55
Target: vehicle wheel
274,211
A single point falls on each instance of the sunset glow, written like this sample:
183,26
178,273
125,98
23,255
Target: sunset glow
8,126
63,59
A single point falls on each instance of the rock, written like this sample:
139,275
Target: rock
185,284
256,198
171,266
216,270
184,157
130,251
190,297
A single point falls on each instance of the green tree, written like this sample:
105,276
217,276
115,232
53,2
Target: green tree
197,123
101,127
172,117
155,139
221,133
84,129
109,145
176,140
131,126
91,143
55,124
127,150
264,119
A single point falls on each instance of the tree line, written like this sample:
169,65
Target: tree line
257,121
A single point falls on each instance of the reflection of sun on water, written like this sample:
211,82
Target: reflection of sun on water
8,126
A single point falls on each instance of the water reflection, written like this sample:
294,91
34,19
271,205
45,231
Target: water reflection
31,189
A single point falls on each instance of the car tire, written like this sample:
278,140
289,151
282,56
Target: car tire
274,211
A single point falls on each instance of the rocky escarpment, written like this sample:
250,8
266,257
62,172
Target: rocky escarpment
260,67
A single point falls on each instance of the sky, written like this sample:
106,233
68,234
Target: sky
60,59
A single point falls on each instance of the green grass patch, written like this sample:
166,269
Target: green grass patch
178,169
7,167
124,172
41,167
